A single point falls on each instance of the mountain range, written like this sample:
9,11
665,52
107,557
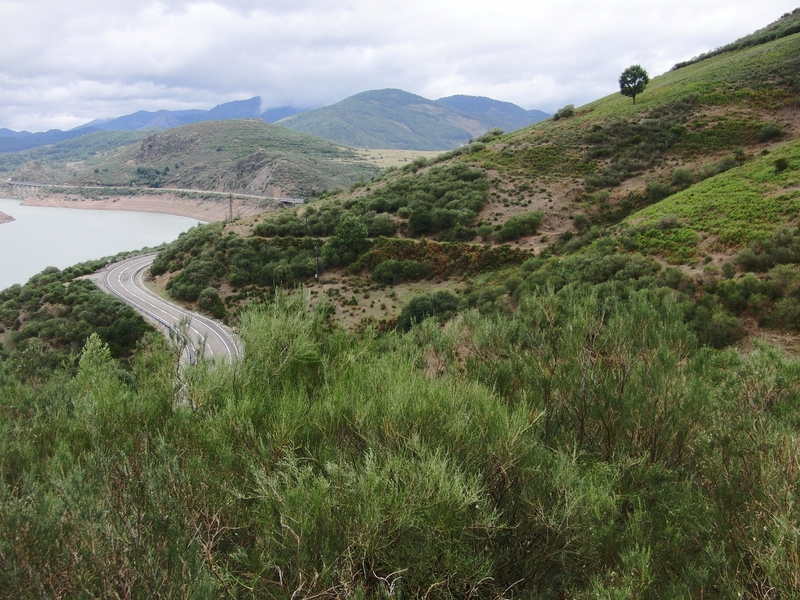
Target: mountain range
396,119
374,119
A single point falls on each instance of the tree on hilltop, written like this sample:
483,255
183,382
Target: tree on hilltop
633,81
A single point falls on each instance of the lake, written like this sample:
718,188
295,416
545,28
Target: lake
42,237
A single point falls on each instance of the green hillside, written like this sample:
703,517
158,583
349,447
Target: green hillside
559,363
246,156
57,163
709,151
397,119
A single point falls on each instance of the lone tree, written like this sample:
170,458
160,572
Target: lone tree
633,81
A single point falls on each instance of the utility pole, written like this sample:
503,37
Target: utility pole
230,208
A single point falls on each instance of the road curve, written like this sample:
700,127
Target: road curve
124,280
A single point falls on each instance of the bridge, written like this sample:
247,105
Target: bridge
26,189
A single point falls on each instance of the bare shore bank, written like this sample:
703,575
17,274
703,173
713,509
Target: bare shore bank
203,210
4,218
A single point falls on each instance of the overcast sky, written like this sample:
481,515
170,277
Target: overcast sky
63,63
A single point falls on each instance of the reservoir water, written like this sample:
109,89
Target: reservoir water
60,237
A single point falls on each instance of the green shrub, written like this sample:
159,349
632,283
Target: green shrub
440,304
519,226
392,272
682,178
210,302
564,112
769,132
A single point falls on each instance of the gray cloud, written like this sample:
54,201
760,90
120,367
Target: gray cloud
62,64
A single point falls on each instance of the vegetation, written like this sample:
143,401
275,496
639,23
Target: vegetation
561,411
633,81
471,457
400,120
45,323
264,159
788,24
60,158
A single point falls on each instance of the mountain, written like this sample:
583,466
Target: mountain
505,115
63,159
393,118
380,119
14,142
167,119
7,133
238,155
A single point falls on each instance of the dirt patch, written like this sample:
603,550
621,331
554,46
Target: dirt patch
786,341
203,210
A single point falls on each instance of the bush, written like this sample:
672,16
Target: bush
657,191
519,226
210,302
781,164
769,132
682,178
565,112
392,272
442,304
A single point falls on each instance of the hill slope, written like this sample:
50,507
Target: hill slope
502,423
566,187
246,156
396,119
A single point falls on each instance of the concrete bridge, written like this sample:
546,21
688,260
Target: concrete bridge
27,189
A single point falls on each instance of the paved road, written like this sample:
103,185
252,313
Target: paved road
124,279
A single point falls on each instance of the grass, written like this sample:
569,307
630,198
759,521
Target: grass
391,157
733,208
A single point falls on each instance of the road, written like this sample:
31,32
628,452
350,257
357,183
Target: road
124,279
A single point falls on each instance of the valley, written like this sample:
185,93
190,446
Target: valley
555,362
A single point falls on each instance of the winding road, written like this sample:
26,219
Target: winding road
124,279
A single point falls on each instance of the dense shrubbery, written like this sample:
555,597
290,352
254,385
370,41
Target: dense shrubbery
48,320
581,448
205,257
565,112
392,272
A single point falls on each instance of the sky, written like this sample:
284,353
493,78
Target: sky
63,64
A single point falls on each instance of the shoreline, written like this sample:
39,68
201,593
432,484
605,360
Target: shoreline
4,218
203,210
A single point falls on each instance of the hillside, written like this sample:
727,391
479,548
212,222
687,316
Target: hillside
558,363
397,119
568,188
58,162
245,156
493,113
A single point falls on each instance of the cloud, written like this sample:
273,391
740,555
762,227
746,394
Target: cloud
63,64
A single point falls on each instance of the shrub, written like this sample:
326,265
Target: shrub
442,304
682,178
210,302
657,191
519,226
781,164
565,112
768,132
392,272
